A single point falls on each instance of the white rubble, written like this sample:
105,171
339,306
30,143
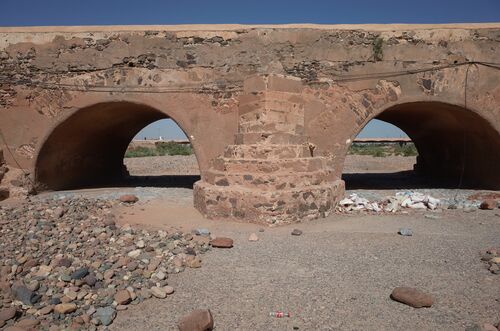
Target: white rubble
413,200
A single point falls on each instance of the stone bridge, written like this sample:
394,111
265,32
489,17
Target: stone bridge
270,110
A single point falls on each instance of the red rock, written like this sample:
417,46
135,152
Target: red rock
122,297
411,297
27,323
7,313
129,198
197,320
488,204
489,327
222,242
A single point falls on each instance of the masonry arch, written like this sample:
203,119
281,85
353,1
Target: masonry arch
87,147
456,146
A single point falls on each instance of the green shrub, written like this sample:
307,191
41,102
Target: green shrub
160,149
140,152
406,150
173,148
378,53
383,149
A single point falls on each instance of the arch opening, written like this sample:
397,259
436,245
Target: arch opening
87,149
456,147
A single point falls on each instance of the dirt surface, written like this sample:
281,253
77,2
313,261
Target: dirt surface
187,165
371,164
337,275
162,165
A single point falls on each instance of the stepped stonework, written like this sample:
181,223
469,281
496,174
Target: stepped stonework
271,174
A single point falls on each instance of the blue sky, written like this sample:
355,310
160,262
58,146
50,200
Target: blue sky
110,12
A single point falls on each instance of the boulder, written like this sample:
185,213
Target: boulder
197,320
412,297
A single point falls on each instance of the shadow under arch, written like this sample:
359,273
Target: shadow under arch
87,148
457,147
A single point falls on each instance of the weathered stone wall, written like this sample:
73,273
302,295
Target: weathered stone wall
103,84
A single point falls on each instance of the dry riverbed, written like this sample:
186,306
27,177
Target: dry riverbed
337,275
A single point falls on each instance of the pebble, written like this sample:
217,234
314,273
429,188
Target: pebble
129,198
406,232
27,323
59,212
80,273
123,297
488,204
7,313
85,262
296,232
135,253
194,262
201,232
25,295
197,320
65,308
105,315
46,310
253,237
168,289
222,242
158,292
411,297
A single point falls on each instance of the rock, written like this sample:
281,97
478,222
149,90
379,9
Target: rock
59,212
197,320
488,204
158,292
65,308
168,289
7,313
90,279
25,295
296,232
411,297
44,271
105,315
193,262
406,232
63,263
46,310
14,328
27,323
201,232
489,327
122,297
135,253
222,242
129,198
80,273
495,259
253,237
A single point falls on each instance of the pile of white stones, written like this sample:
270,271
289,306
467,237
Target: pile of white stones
392,204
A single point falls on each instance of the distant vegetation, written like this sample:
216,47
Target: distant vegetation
160,149
383,149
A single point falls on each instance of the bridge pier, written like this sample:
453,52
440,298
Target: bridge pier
270,175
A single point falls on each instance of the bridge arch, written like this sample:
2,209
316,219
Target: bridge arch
87,147
456,145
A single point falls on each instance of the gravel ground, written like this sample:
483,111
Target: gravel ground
338,276
162,165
